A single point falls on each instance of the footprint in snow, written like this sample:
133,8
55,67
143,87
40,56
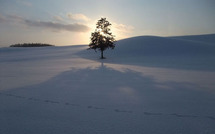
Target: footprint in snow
70,104
185,116
100,108
93,107
210,117
50,101
122,111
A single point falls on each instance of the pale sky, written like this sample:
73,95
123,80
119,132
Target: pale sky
70,22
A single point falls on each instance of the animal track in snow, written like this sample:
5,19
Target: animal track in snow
101,108
71,104
94,107
122,111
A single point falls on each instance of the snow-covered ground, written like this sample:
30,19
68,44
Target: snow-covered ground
147,85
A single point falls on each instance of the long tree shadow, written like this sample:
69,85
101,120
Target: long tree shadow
185,62
123,91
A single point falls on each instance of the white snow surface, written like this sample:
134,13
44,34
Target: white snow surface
146,85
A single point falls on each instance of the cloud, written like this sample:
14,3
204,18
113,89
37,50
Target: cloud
123,28
14,19
81,17
58,18
57,26
10,18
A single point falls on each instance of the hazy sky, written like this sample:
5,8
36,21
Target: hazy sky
70,22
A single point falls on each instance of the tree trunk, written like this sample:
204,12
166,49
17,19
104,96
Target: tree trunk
102,57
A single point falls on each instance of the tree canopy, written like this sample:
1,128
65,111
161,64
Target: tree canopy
102,38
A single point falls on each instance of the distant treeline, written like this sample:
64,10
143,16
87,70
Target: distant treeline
31,45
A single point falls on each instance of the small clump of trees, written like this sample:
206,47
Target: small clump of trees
102,38
31,45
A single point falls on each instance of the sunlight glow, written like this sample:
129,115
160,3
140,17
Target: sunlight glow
101,32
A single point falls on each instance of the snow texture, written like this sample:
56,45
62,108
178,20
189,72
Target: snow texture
150,85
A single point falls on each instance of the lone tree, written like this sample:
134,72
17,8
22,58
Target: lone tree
102,38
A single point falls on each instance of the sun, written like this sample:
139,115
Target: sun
101,32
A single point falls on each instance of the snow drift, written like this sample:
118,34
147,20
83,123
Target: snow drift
173,52
146,85
161,46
